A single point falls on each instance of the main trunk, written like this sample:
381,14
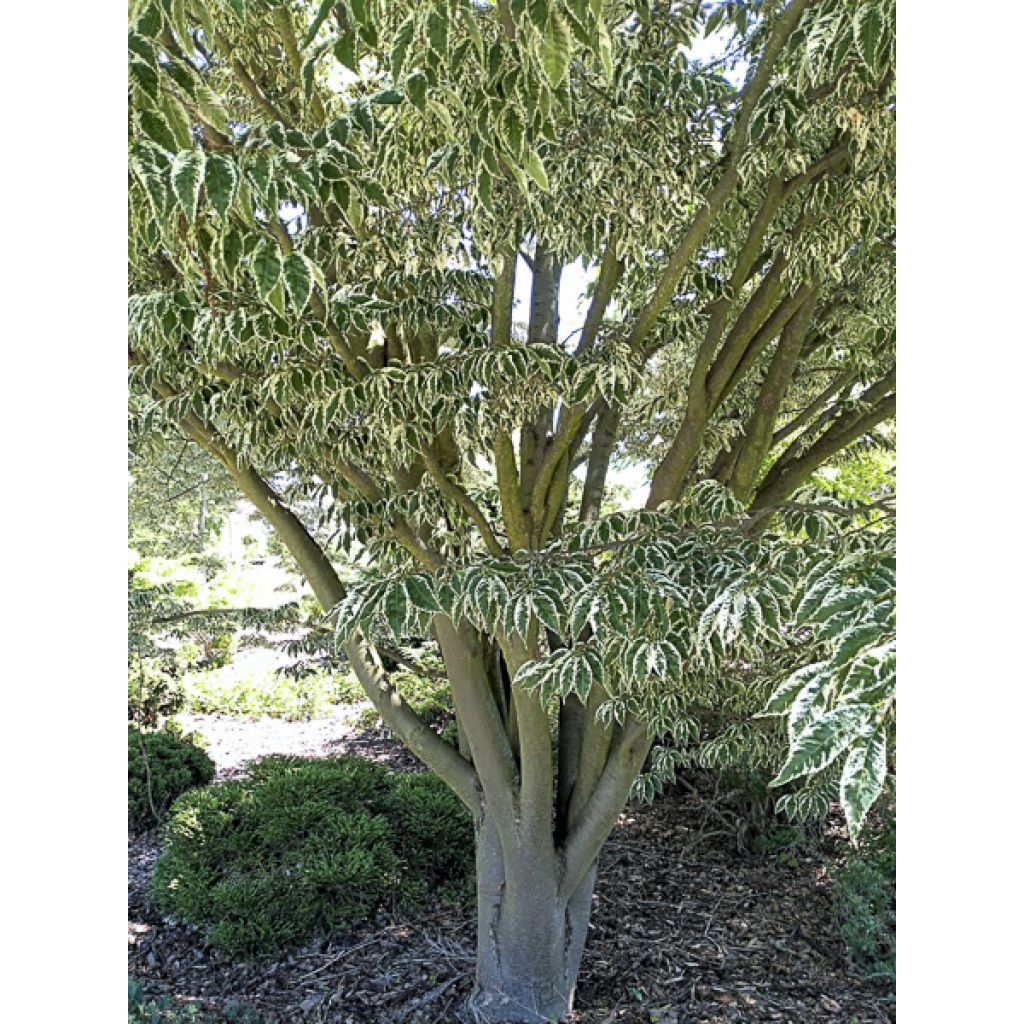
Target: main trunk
529,938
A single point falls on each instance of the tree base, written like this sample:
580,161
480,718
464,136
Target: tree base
521,1006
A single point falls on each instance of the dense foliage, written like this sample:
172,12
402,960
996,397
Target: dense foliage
177,624
866,899
161,766
300,848
331,204
254,693
178,498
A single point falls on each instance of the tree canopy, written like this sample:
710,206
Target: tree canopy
330,204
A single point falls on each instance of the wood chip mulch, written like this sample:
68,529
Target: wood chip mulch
685,930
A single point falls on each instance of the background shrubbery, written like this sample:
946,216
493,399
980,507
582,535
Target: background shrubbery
302,847
161,766
429,697
154,694
866,897
255,693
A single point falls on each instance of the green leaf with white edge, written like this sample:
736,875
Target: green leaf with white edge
266,268
867,27
812,698
604,51
520,614
298,280
535,169
221,182
512,131
155,127
416,90
401,47
188,170
839,600
437,30
232,249
420,595
533,673
322,13
212,109
396,610
863,778
179,19
556,49
823,741
546,610
276,298
786,692
856,640
345,51
469,18
177,120
361,12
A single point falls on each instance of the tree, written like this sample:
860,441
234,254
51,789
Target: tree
178,497
330,204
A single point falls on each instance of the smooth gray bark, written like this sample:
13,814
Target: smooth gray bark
529,939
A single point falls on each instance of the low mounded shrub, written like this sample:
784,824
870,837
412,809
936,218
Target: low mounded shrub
866,897
305,847
161,766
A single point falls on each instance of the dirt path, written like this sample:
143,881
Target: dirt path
234,742
684,931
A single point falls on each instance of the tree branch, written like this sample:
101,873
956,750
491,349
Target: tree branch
785,24
437,755
453,491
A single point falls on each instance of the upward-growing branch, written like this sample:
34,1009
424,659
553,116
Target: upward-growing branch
739,137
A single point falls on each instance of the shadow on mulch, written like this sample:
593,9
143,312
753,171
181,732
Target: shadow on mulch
685,930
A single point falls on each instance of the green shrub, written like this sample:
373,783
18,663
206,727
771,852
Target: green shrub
218,649
866,898
305,847
430,698
153,694
255,694
433,835
161,766
348,689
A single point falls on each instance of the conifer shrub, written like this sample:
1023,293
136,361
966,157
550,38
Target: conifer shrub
161,766
306,847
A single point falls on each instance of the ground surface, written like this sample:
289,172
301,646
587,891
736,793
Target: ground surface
685,930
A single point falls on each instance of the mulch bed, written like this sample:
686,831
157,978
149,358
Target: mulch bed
685,930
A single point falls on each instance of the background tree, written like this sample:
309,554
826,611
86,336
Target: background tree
330,204
179,497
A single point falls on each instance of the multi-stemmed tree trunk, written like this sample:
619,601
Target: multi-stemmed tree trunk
329,203
536,845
